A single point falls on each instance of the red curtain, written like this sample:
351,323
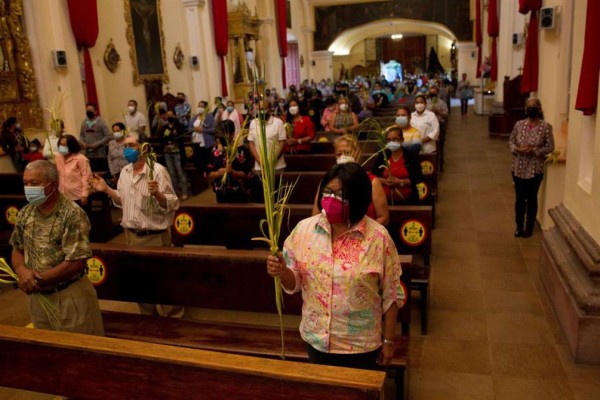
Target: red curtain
478,35
587,93
219,8
529,81
83,15
493,30
282,35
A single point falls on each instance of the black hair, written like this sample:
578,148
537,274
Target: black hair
405,108
221,140
91,105
119,124
421,95
72,143
36,143
356,187
134,102
226,127
204,103
329,101
10,121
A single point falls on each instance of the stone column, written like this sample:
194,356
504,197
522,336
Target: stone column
199,89
270,49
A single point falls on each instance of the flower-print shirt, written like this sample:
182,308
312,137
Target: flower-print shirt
347,285
539,136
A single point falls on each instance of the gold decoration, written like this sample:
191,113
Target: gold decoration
178,57
18,91
112,59
145,10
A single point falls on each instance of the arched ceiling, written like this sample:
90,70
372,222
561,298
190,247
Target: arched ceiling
344,42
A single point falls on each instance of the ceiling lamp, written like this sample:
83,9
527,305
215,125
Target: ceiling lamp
396,36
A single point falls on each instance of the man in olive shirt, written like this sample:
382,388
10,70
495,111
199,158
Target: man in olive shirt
50,248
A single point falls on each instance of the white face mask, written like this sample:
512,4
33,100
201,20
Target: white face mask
201,111
420,107
402,121
344,107
118,134
343,159
293,110
131,109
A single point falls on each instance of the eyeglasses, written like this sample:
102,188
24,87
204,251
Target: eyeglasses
338,194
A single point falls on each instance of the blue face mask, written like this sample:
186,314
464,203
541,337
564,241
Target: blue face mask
131,155
230,109
35,195
402,121
393,146
64,150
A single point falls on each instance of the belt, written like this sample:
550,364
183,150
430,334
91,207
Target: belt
62,285
147,232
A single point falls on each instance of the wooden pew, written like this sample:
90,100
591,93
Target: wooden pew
103,228
99,368
366,146
234,226
215,279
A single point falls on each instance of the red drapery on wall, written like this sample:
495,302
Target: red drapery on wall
493,30
83,15
529,82
478,35
221,28
282,36
587,93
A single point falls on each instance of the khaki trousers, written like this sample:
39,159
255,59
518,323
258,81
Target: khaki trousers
163,239
76,309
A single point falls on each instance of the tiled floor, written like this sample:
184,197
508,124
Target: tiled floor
492,334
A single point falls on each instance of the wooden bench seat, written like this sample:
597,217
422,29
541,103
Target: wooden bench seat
99,368
213,279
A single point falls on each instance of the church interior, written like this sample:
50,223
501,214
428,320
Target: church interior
489,313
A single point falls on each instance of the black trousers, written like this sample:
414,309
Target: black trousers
464,106
360,360
201,157
526,191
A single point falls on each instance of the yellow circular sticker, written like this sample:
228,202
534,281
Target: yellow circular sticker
423,190
11,214
413,232
183,224
323,139
189,151
96,271
427,167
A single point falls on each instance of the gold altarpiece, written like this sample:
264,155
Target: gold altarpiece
244,43
18,91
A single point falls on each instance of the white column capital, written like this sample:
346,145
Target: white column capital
193,3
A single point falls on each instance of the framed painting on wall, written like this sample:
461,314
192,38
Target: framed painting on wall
146,40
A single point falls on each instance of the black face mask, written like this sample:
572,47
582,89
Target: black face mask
180,101
532,112
171,120
90,114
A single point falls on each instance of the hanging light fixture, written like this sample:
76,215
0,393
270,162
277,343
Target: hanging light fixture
396,36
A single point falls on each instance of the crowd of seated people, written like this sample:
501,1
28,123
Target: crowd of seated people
305,110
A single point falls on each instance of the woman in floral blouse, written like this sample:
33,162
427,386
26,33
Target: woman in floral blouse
530,142
348,270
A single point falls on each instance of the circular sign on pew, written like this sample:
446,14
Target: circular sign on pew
427,167
423,190
189,151
413,232
95,271
183,224
11,214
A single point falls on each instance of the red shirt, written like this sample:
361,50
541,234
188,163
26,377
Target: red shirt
398,170
33,156
302,128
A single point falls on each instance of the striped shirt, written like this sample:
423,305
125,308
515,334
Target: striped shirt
140,209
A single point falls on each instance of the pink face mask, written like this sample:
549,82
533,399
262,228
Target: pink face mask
335,210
